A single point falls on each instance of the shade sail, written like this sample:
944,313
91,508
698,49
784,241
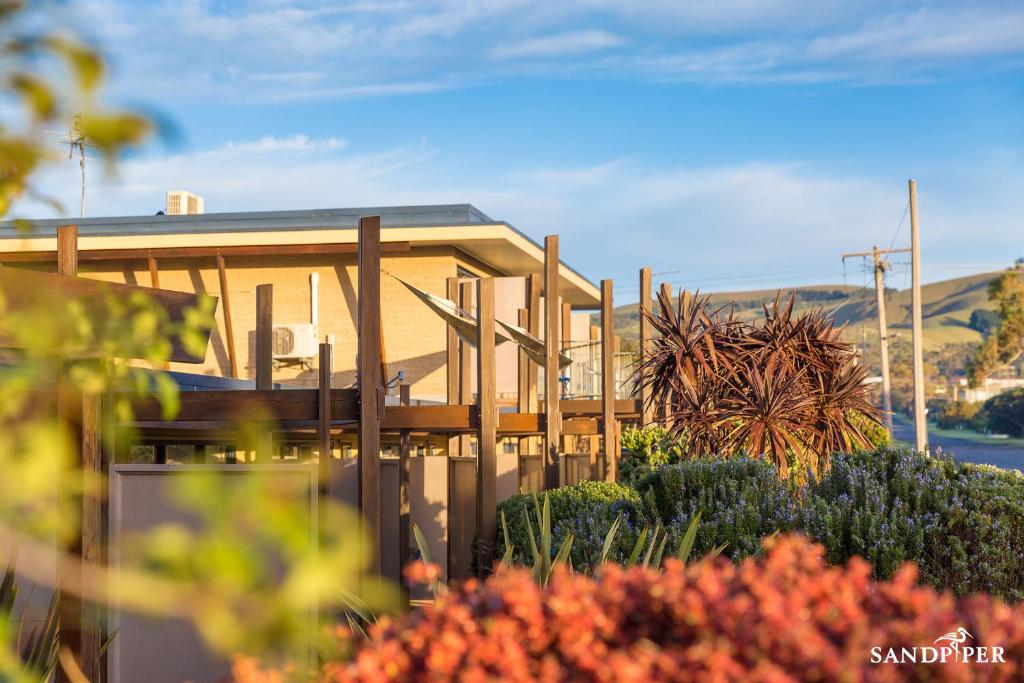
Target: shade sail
533,347
462,322
465,326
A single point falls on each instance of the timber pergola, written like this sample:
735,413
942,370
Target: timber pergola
317,417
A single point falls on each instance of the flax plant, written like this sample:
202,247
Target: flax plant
786,388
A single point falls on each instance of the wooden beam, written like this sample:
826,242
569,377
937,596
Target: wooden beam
264,336
154,272
227,405
229,327
609,437
487,434
466,291
646,337
404,504
552,468
44,256
31,290
370,385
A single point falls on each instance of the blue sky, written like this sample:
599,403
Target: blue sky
727,143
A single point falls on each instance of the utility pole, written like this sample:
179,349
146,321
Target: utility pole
880,266
920,427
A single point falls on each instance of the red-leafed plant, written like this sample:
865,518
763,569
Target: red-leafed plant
782,617
786,388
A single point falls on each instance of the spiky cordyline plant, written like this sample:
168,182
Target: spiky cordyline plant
784,388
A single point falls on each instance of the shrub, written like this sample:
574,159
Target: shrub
784,387
741,500
963,524
587,510
957,414
782,617
1005,413
646,448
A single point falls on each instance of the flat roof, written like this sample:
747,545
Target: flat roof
496,243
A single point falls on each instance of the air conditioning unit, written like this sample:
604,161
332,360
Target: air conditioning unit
295,342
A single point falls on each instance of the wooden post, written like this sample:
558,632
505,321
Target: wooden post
324,420
264,336
370,385
552,467
465,366
920,426
452,362
80,624
883,339
524,369
646,335
611,453
67,249
404,505
533,284
487,432
264,361
663,409
568,441
229,329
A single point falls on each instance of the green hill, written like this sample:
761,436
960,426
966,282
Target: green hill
947,308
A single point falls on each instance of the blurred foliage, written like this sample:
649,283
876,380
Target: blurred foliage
782,616
956,414
253,568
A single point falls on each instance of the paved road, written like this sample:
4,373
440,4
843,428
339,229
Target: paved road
1001,455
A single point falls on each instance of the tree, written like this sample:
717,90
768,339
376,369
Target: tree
983,320
1006,343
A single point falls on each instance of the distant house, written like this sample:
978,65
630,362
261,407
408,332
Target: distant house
991,387
422,245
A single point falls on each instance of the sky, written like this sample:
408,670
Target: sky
728,144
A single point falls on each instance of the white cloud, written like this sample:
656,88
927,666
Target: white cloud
575,42
757,224
325,50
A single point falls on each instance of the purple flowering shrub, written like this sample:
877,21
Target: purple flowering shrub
962,524
741,500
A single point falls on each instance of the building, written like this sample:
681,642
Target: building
183,203
310,259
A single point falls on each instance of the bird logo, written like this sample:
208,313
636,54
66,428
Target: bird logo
955,638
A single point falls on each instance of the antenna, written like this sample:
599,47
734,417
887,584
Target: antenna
75,140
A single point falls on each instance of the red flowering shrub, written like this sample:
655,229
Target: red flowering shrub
782,617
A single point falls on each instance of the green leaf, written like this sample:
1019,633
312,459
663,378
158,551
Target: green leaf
660,552
638,548
651,545
686,545
610,538
506,559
